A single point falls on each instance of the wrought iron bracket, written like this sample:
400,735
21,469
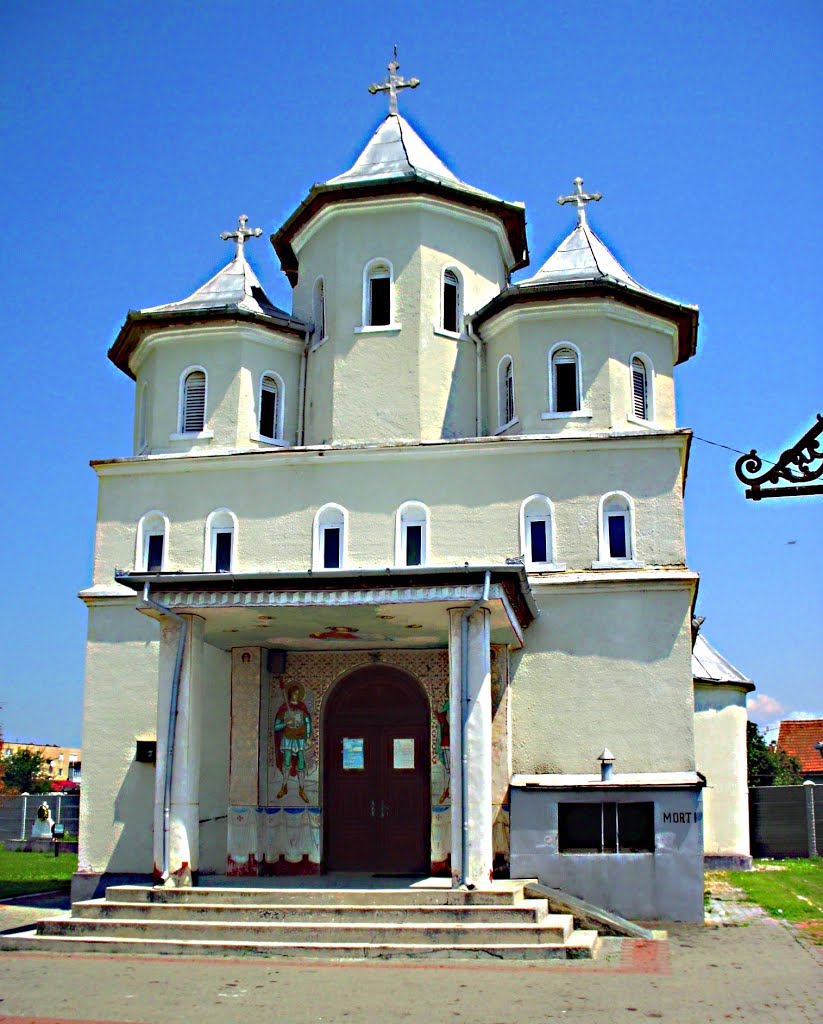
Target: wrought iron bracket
799,465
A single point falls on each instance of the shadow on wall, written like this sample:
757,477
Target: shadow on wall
134,810
458,419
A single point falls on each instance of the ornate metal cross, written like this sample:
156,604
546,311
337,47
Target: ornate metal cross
580,198
393,84
241,234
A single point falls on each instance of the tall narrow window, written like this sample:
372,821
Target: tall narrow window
152,542
329,540
270,400
505,391
641,386
221,541
565,380
616,528
319,310
193,413
378,297
536,533
451,301
411,542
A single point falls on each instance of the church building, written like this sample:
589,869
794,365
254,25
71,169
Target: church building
395,583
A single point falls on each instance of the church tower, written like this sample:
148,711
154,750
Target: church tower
386,260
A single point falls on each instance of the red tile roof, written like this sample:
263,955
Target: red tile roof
799,738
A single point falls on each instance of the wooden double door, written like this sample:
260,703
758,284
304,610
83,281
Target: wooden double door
377,803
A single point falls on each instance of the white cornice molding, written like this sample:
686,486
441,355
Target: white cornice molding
386,204
660,577
270,337
555,309
511,444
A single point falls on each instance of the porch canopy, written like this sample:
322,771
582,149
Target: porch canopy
341,608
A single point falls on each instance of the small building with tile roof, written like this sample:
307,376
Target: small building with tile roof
804,740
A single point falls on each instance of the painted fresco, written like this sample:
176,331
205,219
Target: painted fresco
283,833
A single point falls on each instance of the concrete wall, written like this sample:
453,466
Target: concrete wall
474,492
720,749
664,885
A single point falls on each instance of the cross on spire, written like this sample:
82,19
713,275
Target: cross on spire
393,84
580,198
241,234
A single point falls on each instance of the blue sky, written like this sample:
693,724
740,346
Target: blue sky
133,134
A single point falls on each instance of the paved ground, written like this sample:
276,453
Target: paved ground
747,968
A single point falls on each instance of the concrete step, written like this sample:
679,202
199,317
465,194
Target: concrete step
580,945
503,894
528,911
554,928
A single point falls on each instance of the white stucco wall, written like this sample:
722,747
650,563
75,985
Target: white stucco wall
720,748
473,491
607,335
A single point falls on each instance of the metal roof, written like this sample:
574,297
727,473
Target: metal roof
397,151
235,286
709,666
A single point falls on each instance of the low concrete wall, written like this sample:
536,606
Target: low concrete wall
664,885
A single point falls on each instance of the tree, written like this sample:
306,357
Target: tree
24,771
768,766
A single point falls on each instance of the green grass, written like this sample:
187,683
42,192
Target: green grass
794,892
24,873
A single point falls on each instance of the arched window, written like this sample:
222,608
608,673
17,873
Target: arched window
411,535
329,540
564,379
505,392
270,405
617,532
319,310
193,400
378,300
642,377
142,417
537,533
152,542
220,553
452,301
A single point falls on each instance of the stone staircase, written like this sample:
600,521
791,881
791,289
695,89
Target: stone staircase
312,923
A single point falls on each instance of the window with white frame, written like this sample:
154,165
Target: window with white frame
411,546
377,294
564,379
193,401
641,387
537,532
329,541
152,542
505,391
271,406
451,301
616,528
221,541
142,417
319,310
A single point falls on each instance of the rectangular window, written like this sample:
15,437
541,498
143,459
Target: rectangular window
154,554
380,301
618,546
222,551
538,540
450,306
639,392
606,828
565,387
268,412
414,545
331,547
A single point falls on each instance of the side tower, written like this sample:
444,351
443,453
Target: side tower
386,259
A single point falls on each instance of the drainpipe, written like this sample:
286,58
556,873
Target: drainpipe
464,703
301,388
175,689
478,398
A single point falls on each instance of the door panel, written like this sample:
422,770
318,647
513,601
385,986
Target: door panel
376,774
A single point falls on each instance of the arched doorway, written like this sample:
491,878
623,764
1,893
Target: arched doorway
376,800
